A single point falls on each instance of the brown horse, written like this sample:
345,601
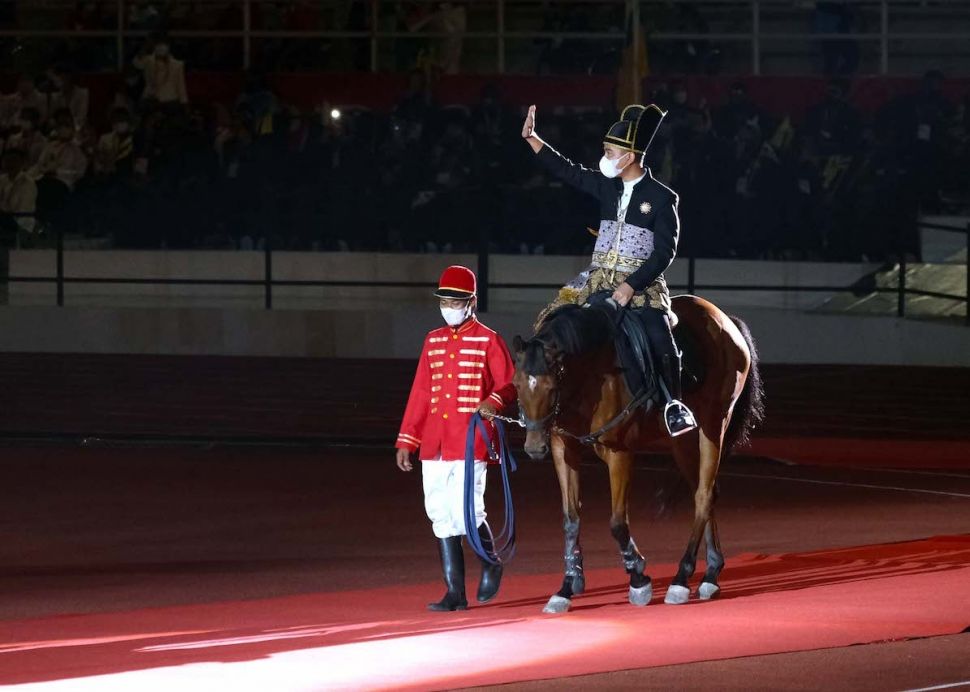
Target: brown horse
570,384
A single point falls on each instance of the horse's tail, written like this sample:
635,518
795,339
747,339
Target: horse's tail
749,409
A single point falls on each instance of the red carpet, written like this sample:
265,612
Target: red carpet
383,638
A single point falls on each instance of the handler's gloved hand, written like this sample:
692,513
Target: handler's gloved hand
487,409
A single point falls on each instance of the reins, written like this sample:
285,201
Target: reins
503,543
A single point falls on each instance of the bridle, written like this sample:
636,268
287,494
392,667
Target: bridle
532,425
540,424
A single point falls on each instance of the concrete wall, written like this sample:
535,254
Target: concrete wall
382,323
944,246
783,336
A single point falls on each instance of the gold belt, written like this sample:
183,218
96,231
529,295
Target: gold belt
615,261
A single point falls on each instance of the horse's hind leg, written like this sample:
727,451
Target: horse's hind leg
715,560
566,460
621,465
702,479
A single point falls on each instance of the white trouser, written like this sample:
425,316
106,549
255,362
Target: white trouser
444,495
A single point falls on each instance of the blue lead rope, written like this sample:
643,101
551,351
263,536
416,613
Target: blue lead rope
503,542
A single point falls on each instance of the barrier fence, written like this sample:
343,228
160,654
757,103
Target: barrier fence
268,282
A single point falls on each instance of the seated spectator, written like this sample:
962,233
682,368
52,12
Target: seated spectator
87,139
115,148
678,111
164,75
736,113
921,125
491,125
69,95
26,96
238,180
921,117
62,161
416,107
259,101
28,137
834,122
453,156
18,195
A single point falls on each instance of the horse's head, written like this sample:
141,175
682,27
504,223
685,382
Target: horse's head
538,370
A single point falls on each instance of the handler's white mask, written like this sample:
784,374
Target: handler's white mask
608,166
455,316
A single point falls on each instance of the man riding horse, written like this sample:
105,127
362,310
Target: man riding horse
637,238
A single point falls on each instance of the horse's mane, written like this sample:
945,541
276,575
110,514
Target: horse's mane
571,329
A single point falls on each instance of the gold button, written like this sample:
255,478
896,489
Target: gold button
434,410
444,415
447,396
449,375
452,355
454,336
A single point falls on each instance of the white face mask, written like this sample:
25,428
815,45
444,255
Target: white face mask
455,316
608,167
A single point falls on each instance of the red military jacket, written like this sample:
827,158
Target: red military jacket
458,369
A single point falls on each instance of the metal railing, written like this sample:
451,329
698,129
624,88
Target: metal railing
902,290
268,282
755,34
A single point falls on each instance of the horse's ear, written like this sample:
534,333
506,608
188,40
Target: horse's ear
518,345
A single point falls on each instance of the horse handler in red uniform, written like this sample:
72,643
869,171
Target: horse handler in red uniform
464,367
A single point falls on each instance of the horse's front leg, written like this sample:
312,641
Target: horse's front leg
566,460
620,465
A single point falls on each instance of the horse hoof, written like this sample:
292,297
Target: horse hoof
677,595
707,590
557,604
641,596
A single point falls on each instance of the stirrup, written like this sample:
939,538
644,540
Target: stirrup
688,417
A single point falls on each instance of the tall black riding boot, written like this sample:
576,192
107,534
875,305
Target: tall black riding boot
677,417
453,570
670,370
491,574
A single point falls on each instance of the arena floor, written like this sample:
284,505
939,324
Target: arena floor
304,562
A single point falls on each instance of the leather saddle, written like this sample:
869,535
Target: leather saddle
640,371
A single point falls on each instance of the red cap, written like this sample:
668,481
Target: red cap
456,282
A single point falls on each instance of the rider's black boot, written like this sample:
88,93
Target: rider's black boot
453,570
677,417
491,574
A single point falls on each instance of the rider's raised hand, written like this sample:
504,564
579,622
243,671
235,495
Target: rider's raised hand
529,130
529,126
